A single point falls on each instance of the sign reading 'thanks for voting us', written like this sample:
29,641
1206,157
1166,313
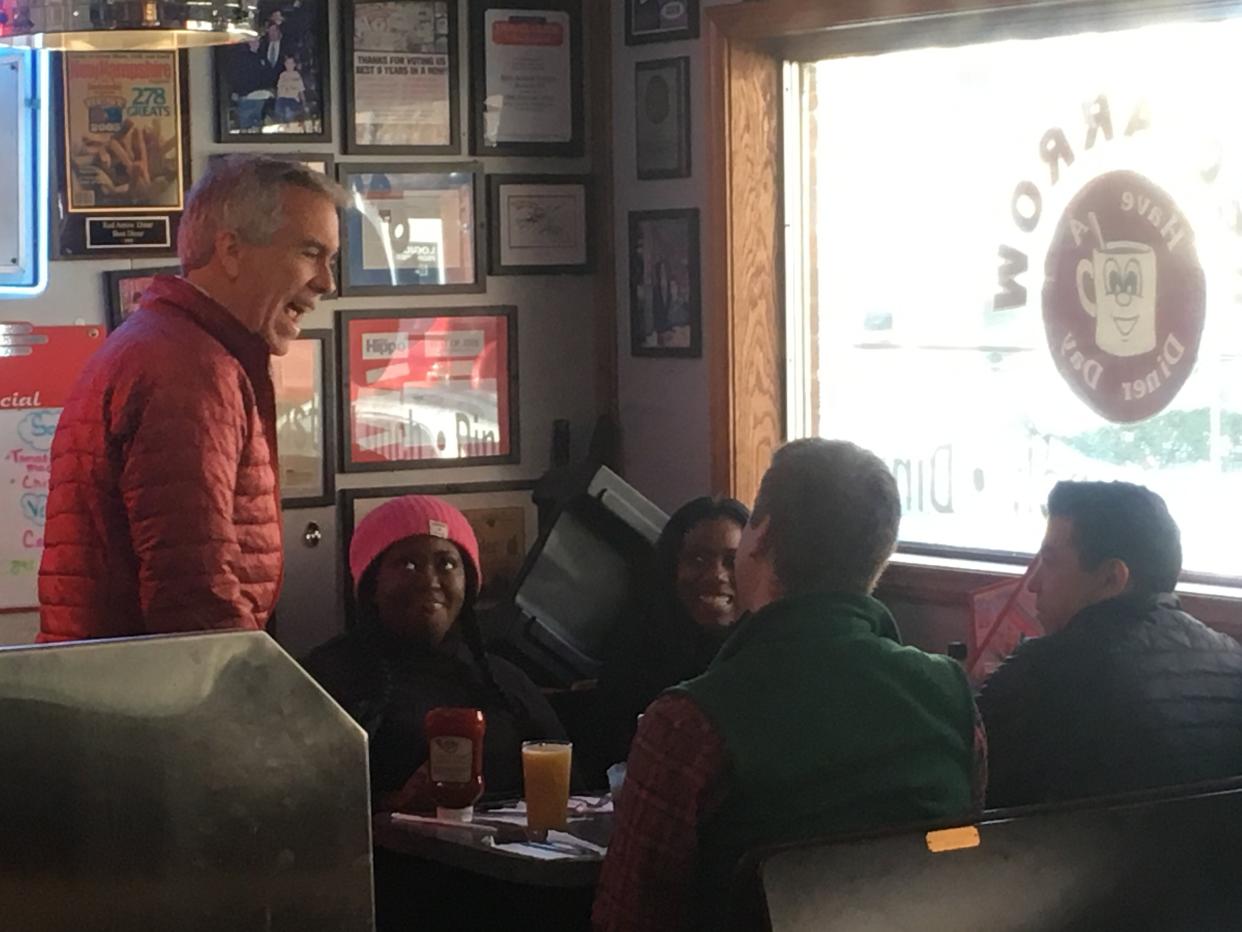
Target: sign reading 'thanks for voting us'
1124,294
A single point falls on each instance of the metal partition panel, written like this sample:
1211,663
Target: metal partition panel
1158,864
189,782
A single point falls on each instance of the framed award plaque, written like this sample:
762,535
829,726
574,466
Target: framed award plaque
124,155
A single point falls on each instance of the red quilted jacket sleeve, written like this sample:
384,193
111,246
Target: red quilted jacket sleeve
177,482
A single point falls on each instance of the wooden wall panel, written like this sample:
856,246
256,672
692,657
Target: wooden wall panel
599,83
745,273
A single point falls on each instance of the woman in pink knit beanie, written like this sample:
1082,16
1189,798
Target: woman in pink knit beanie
416,645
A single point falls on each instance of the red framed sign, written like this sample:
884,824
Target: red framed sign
426,388
1002,615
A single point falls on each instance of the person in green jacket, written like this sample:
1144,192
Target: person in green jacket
812,721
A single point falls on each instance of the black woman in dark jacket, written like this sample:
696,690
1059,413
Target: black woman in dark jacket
417,646
689,615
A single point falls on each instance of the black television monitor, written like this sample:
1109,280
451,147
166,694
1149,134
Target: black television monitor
583,576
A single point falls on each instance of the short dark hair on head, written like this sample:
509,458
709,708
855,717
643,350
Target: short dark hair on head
833,511
1123,521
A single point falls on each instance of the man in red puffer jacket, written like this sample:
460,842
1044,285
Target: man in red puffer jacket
163,512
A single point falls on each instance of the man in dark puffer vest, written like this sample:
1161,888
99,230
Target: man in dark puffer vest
1126,691
812,720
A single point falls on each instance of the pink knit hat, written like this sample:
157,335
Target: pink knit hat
408,516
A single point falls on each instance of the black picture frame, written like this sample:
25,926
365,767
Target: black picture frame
572,147
110,231
351,142
501,221
656,239
640,31
323,162
290,495
356,279
466,496
121,295
506,406
662,118
243,68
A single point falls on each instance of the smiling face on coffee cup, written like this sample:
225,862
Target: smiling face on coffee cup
1117,286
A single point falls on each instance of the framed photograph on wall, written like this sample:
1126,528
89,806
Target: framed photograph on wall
660,20
412,229
526,94
124,163
428,387
275,87
125,289
401,77
322,162
538,224
305,384
665,289
662,118
502,515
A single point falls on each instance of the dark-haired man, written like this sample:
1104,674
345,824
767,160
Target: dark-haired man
812,720
1126,691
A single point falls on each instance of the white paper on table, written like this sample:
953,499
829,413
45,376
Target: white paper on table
578,806
534,851
575,847
565,838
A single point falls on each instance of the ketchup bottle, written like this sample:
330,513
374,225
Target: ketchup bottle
455,760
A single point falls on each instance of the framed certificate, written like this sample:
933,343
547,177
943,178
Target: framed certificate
502,515
662,118
125,290
538,224
305,380
401,77
275,87
124,155
426,388
526,77
412,229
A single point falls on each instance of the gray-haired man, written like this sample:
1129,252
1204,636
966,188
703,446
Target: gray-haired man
164,508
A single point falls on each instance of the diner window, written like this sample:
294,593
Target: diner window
1014,262
24,172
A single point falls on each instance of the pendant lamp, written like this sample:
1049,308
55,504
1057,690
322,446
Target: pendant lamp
124,25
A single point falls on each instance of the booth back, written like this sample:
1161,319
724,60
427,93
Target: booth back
195,782
1158,862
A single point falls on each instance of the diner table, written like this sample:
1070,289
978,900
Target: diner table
447,877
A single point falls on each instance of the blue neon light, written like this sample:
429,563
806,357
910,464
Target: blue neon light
34,168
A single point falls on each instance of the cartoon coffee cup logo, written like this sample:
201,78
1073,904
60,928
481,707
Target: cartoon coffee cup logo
1124,314
1123,279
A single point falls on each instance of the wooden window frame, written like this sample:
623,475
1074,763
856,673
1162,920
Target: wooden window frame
747,45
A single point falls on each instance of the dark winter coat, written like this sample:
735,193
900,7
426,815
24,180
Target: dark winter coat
1131,694
388,686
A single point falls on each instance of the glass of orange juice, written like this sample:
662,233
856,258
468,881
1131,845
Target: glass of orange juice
545,772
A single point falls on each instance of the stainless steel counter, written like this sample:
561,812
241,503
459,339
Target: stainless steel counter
193,782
